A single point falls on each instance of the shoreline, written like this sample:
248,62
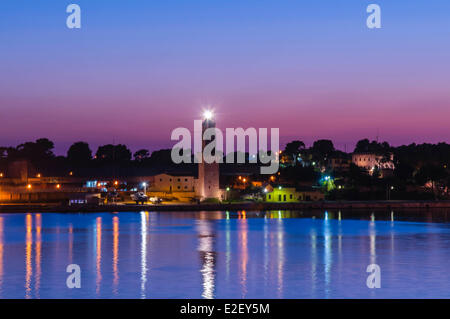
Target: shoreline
248,206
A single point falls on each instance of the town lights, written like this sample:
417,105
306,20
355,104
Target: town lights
208,115
29,186
116,183
38,175
58,186
1,175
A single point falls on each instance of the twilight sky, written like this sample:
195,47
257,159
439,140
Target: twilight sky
137,69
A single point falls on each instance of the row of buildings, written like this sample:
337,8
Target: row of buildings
370,162
18,185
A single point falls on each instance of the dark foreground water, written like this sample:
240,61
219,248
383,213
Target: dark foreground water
225,255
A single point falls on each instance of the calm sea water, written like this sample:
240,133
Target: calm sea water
225,255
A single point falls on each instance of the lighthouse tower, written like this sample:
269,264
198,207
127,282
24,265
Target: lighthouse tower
208,174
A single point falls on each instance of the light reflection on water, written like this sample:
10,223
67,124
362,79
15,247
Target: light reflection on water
224,255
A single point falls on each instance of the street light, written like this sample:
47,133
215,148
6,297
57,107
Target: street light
29,194
145,187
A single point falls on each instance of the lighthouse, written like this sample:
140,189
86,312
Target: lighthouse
208,173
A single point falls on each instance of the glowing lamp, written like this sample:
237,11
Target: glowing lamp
208,115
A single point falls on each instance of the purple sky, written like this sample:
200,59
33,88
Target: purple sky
137,69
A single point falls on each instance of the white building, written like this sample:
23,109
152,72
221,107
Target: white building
371,161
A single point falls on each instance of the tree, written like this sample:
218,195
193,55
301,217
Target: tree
162,157
141,155
113,153
365,146
322,149
430,172
362,146
38,151
79,152
294,147
3,152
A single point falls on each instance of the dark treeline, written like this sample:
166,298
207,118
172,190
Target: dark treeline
416,165
80,158
421,170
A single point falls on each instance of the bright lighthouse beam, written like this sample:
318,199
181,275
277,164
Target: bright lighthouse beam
208,115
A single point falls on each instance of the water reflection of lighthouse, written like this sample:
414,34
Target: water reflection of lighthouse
206,243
